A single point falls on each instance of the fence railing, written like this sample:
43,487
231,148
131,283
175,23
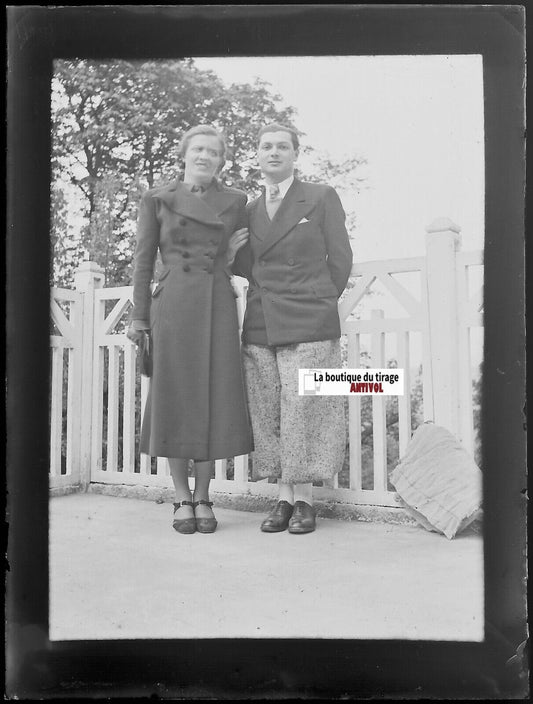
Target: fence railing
98,396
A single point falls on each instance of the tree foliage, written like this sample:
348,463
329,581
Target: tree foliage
66,250
116,129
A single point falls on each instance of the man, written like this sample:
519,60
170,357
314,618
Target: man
297,260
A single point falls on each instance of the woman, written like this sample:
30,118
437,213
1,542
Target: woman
196,405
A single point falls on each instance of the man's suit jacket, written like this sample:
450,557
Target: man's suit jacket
297,265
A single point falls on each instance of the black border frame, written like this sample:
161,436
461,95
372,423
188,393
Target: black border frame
243,669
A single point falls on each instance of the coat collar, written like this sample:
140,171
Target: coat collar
294,207
206,210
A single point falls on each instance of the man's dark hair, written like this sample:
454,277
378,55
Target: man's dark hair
277,127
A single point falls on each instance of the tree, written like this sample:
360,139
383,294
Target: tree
116,130
242,110
65,249
346,176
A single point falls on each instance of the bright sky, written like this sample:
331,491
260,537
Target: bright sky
417,119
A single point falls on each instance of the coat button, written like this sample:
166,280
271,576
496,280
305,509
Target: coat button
264,289
262,262
182,240
186,267
183,222
293,290
291,262
186,255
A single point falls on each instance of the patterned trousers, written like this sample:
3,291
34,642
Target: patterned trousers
296,438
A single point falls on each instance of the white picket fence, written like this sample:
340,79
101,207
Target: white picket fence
98,396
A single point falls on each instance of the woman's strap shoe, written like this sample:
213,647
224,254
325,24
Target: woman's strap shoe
205,525
184,525
303,519
278,519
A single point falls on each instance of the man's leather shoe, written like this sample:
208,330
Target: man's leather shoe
278,519
303,518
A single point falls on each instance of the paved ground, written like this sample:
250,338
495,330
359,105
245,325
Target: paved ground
118,570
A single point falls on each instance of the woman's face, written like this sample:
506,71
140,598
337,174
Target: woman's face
202,158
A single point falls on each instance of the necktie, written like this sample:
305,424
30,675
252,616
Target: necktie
197,189
273,201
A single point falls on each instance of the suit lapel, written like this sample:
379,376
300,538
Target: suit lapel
206,210
258,218
294,207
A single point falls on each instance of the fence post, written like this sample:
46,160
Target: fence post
442,243
88,277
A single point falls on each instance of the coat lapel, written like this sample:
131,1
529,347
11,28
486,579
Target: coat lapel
294,207
219,199
206,210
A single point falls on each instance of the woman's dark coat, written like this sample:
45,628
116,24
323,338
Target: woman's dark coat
196,405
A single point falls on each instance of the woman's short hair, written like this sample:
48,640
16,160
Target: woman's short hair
277,127
210,131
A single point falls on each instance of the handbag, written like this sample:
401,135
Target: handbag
144,353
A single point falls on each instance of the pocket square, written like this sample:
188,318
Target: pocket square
303,220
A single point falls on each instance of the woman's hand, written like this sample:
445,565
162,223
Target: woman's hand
136,332
238,239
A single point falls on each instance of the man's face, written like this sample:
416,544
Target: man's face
276,156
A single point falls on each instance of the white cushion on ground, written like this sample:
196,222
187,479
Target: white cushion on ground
439,484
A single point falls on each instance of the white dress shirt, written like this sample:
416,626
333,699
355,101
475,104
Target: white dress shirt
283,186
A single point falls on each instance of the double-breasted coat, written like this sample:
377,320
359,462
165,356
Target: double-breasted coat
196,406
297,265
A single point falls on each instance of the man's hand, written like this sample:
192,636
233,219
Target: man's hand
238,239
